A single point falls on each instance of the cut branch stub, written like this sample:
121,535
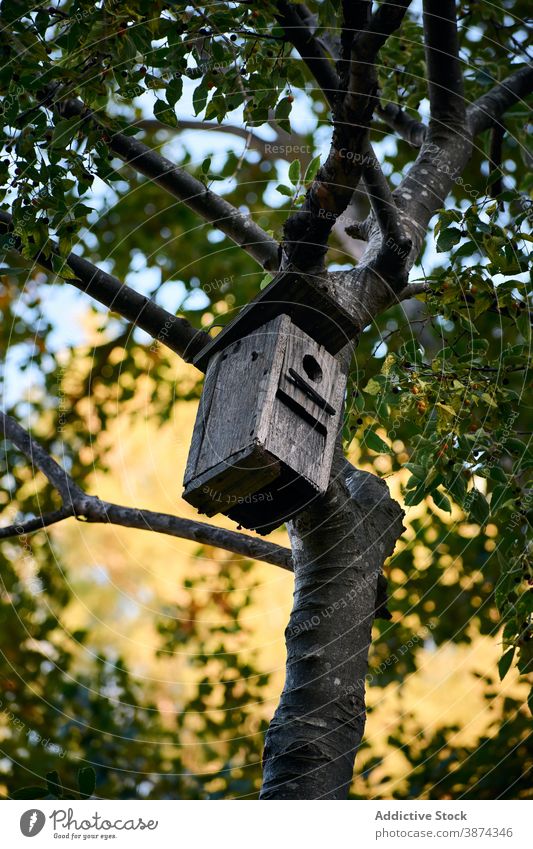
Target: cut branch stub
265,432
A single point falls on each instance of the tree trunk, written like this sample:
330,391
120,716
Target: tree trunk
339,545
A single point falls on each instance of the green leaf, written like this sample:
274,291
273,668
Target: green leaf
206,165
312,169
295,172
417,470
505,661
441,501
375,442
478,506
29,793
501,494
152,81
373,387
265,281
282,112
165,113
285,190
60,267
415,496
13,271
448,238
174,90
199,98
87,781
64,132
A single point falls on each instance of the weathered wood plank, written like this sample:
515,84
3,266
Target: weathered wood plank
201,418
265,430
315,303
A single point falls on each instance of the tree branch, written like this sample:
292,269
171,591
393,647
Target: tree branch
43,521
412,291
495,158
201,532
309,48
38,457
307,230
394,242
445,76
327,39
172,331
153,125
489,108
283,146
385,20
443,159
179,183
409,129
355,17
90,508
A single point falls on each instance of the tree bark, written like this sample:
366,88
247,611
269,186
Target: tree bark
339,545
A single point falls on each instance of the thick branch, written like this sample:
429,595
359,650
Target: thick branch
488,109
445,76
423,191
442,159
339,546
309,48
307,231
179,183
385,20
164,523
355,17
91,509
395,244
327,39
170,330
409,129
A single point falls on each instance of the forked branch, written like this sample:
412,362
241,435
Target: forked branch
90,508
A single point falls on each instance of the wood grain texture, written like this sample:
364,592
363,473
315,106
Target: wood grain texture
320,305
263,440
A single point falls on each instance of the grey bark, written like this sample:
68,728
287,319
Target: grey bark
339,546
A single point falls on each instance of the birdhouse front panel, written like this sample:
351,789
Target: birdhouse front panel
301,429
266,426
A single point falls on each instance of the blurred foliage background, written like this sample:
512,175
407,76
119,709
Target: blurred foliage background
158,663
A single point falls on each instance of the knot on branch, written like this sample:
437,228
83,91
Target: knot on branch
357,230
392,261
371,499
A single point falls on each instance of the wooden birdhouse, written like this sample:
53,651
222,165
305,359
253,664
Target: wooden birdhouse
268,417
